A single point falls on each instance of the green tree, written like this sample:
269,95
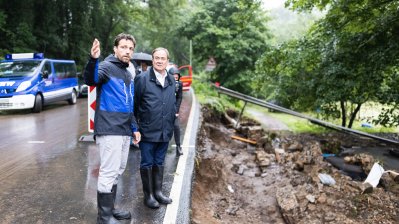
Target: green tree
352,51
234,33
285,75
156,26
18,29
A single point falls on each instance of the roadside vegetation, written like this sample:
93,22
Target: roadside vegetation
207,95
346,59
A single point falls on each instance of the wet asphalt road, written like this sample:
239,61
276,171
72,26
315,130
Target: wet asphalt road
48,176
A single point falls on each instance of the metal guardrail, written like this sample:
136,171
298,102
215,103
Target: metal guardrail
262,103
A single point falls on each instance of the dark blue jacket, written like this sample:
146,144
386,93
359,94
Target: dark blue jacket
154,106
179,94
115,95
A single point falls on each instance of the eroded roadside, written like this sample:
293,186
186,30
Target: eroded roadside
237,182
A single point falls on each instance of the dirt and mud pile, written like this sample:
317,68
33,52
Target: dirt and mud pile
278,179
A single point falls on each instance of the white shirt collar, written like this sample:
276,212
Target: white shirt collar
160,77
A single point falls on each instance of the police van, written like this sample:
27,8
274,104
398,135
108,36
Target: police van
30,81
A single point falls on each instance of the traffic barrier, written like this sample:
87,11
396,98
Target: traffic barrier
91,107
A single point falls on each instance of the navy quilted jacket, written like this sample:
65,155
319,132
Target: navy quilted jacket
155,106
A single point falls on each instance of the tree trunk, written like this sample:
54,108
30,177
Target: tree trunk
353,115
343,112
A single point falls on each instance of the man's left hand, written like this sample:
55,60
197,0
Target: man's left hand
136,137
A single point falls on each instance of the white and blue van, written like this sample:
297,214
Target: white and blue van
30,81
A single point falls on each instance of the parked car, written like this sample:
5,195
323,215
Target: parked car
82,88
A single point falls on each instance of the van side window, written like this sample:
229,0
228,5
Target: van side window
70,70
65,70
59,70
46,69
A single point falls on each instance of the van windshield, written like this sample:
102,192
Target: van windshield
18,68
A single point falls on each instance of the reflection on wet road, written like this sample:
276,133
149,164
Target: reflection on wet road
48,176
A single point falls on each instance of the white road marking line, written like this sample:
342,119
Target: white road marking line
36,142
171,210
185,146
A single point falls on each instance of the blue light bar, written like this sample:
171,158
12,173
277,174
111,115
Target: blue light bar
38,55
24,56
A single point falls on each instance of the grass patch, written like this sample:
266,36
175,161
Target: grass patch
296,124
300,125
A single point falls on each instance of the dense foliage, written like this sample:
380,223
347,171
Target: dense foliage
234,33
66,28
60,29
349,57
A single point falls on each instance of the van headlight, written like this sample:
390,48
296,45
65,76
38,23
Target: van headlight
23,86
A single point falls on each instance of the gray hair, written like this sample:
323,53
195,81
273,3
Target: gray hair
160,49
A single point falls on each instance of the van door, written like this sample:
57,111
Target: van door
47,82
57,92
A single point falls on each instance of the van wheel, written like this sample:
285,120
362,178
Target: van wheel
38,104
73,98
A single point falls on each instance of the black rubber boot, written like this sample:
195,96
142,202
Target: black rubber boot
157,174
105,203
146,179
179,151
119,214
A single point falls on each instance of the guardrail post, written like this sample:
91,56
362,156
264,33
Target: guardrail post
239,117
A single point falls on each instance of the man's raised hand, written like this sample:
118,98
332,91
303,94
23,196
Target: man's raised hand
95,49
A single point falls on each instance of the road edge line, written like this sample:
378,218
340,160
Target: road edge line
176,190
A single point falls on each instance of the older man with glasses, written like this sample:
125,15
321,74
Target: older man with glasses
155,110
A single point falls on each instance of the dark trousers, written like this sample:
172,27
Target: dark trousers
152,153
176,131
